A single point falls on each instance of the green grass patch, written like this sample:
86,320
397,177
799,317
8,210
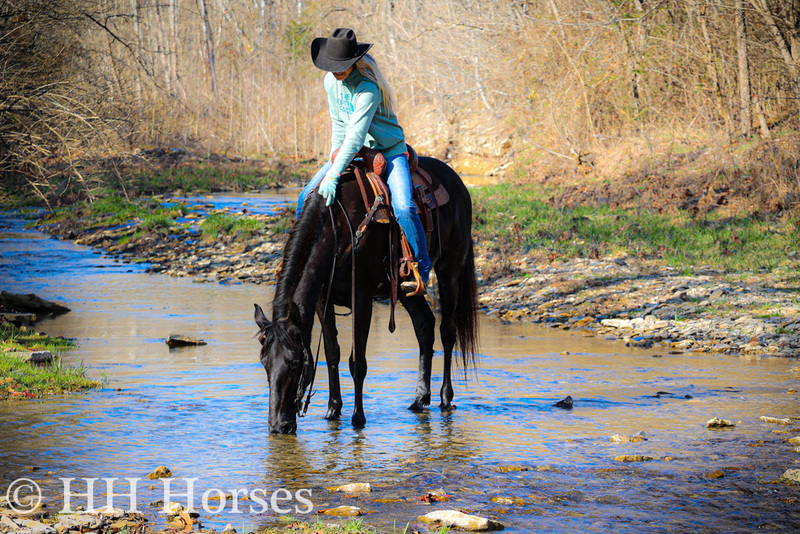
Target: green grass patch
114,209
219,224
350,526
518,218
19,379
206,178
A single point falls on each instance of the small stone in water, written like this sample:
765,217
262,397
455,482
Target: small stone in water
160,472
456,519
357,487
510,468
342,511
636,438
508,500
566,403
714,474
633,458
791,476
183,341
719,423
774,420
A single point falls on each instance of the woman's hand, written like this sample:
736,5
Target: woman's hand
327,187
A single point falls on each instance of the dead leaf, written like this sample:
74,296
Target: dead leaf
187,521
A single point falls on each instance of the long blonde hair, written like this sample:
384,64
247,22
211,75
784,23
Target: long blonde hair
368,68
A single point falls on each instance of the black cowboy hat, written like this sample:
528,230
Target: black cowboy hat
339,51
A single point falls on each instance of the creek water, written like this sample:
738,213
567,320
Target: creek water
202,412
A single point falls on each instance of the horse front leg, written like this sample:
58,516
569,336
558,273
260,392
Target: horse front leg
332,357
358,357
424,322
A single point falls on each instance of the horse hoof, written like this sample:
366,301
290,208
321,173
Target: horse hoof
333,415
417,407
447,407
359,421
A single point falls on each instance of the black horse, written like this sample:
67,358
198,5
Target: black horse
318,239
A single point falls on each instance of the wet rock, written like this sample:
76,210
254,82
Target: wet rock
178,340
107,512
39,357
27,526
124,524
719,423
794,440
81,522
31,303
18,318
633,458
508,500
714,474
229,529
636,438
438,495
160,472
342,511
8,522
175,509
511,468
566,403
357,487
791,476
774,420
456,519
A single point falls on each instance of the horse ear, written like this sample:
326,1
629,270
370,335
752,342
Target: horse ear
261,319
294,314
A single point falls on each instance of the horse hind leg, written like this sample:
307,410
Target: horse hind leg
448,298
424,323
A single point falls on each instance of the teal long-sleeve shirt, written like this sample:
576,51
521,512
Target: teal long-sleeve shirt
359,118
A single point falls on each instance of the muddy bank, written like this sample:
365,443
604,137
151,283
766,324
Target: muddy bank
624,299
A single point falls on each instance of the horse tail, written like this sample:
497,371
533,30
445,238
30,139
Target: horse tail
466,316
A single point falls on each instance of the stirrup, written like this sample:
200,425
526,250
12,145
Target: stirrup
415,286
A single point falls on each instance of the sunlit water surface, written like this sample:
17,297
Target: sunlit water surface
202,412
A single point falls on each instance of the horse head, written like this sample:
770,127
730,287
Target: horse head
289,367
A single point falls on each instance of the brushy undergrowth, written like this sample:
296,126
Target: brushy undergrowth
519,218
19,379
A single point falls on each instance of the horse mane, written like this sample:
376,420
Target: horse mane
302,237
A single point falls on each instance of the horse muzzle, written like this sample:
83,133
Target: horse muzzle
283,427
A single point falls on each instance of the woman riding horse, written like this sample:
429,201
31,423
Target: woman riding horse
362,113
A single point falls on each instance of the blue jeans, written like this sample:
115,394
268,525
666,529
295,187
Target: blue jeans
399,182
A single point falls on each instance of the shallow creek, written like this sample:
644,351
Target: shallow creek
202,412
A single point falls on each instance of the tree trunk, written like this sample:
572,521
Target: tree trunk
745,116
209,40
780,40
137,21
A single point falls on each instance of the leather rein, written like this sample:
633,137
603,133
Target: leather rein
303,400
